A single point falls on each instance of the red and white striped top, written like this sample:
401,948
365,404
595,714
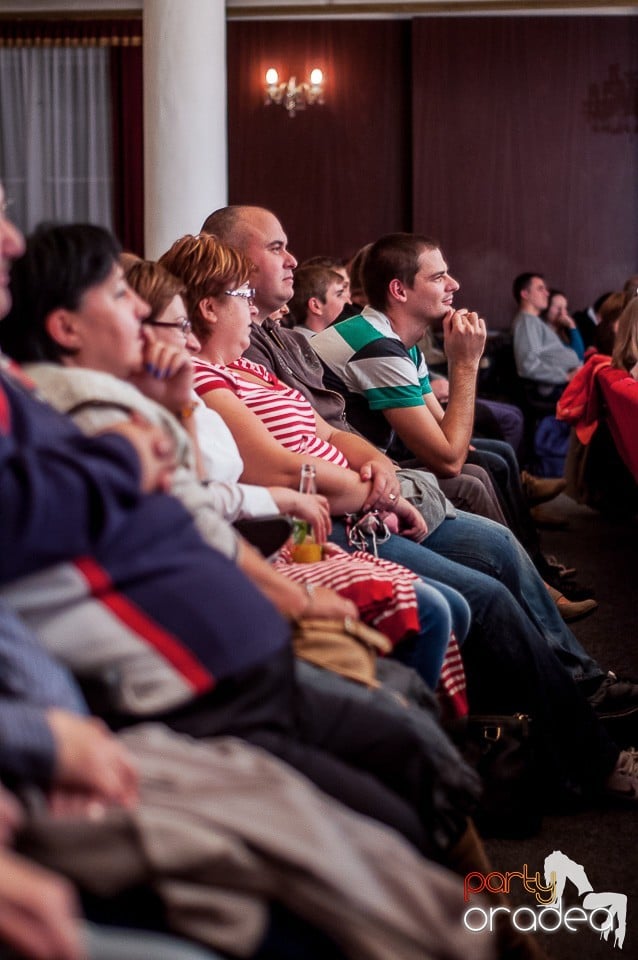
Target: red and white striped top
285,412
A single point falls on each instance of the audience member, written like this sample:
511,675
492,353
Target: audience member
625,352
318,299
608,314
338,266
630,289
557,316
588,319
540,355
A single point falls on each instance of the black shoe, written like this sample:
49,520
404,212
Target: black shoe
614,697
572,589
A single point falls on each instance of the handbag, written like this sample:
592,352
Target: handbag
501,750
348,647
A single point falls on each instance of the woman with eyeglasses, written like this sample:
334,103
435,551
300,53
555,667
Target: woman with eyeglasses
217,452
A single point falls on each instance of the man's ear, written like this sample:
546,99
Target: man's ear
61,326
314,306
396,290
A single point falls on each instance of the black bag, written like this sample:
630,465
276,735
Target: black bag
501,749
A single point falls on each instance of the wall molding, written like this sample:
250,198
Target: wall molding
267,9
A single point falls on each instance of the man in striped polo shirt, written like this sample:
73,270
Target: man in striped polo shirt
373,359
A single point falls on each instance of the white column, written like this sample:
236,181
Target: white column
185,148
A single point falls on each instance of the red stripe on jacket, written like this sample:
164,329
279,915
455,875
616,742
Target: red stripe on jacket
136,620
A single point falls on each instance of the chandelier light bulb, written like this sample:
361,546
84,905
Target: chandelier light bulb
272,77
316,77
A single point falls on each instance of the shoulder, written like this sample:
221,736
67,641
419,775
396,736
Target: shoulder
525,323
209,376
66,387
368,334
255,369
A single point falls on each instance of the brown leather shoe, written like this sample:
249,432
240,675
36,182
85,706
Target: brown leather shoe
541,489
571,610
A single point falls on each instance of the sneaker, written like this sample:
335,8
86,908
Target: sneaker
541,489
615,697
622,784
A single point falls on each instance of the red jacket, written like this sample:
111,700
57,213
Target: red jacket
580,401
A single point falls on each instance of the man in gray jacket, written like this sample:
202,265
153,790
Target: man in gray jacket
539,353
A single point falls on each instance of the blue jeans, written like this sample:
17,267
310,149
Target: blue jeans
485,563
441,610
499,459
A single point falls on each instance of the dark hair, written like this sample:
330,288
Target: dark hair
598,302
355,269
605,333
552,293
223,222
60,263
522,282
233,225
333,263
310,281
393,257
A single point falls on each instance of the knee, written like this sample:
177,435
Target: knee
434,610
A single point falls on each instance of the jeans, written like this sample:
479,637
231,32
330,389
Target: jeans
499,459
483,561
425,652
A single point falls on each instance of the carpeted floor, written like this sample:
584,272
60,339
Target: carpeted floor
603,841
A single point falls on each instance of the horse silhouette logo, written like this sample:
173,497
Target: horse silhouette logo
559,868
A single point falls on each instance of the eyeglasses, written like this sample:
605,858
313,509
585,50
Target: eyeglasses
183,324
246,293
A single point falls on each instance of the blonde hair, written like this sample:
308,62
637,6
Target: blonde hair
625,354
207,268
153,283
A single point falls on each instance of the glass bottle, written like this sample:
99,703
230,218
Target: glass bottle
305,548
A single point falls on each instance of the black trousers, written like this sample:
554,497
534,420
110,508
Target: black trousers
361,753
